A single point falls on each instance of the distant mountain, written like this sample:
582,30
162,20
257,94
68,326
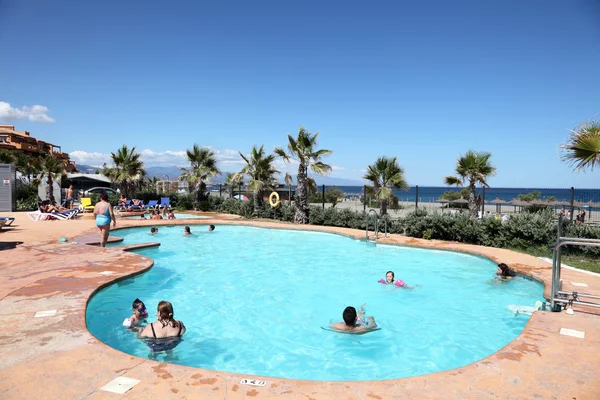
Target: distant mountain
173,172
88,169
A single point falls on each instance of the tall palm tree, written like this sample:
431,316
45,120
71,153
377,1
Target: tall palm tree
583,147
385,175
203,166
303,150
259,168
128,172
473,167
52,169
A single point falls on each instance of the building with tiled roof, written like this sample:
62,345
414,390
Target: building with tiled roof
13,140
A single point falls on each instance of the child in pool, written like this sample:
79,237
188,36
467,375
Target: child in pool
139,314
503,272
389,280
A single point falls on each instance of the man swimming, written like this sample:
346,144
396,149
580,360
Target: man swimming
352,324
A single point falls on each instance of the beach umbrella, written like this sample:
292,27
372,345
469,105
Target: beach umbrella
459,201
577,203
517,202
498,202
240,197
443,201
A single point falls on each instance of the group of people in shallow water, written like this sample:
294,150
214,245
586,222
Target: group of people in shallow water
165,333
156,214
161,335
355,322
186,230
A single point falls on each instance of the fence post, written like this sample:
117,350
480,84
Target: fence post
365,198
323,191
240,191
220,188
572,202
290,195
417,197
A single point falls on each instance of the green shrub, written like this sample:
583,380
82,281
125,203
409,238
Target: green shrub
27,197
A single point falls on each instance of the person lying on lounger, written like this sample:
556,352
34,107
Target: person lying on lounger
46,207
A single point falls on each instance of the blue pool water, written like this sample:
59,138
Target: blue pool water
254,301
177,215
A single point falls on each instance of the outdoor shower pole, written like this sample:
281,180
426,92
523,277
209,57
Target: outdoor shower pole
323,190
365,198
417,197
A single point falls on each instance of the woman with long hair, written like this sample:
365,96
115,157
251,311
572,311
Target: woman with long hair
166,326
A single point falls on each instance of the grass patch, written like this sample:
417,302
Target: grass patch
580,262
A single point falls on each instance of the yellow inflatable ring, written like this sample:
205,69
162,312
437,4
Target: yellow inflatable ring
274,199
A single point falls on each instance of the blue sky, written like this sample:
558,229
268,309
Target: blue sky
423,81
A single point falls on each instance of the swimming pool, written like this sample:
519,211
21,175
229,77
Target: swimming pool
254,301
177,216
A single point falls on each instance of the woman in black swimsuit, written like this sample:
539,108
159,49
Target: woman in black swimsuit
165,333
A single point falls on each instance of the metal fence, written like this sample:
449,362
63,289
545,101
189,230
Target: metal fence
573,203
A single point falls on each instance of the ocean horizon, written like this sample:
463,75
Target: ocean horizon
432,193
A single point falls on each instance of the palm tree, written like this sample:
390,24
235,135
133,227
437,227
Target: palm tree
385,174
203,166
128,172
52,168
6,157
475,168
259,168
303,150
583,147
27,165
231,182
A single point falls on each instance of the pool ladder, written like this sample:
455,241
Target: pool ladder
377,220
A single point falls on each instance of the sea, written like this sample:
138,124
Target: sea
432,193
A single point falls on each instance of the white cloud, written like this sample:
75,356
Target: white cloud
337,168
35,113
227,159
93,159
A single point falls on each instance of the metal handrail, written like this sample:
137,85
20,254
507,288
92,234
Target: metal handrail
376,224
556,265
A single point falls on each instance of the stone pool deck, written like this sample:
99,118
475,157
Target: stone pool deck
56,357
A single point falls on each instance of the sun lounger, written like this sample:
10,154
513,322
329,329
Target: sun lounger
124,207
62,215
86,204
165,202
152,205
136,205
7,221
